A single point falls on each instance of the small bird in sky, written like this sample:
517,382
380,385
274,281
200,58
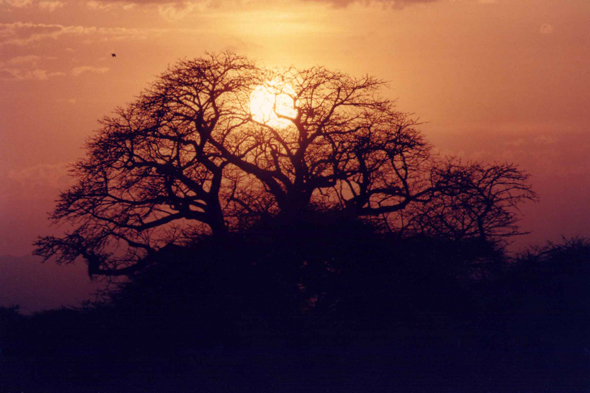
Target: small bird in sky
113,54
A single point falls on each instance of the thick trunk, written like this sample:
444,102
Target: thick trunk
296,205
217,223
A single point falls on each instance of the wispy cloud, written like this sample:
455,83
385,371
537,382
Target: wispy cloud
98,5
393,3
177,2
173,12
21,33
177,9
25,68
97,70
71,101
21,74
21,182
21,60
546,29
17,3
50,5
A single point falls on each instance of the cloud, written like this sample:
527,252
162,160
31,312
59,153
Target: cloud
97,70
20,33
547,29
177,9
50,5
17,74
31,60
18,3
51,175
184,4
37,74
556,152
6,75
394,3
25,68
546,140
171,10
98,5
180,3
71,101
22,182
126,34
107,5
174,12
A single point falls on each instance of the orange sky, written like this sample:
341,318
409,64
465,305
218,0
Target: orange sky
494,79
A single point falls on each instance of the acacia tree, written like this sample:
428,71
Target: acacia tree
472,201
191,157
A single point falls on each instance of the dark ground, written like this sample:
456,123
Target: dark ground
411,315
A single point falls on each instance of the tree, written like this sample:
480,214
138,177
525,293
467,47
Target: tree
153,166
191,156
472,201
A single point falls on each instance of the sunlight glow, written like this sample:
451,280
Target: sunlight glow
272,100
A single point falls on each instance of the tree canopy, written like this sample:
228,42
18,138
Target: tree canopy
191,157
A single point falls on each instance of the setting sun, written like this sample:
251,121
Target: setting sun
272,102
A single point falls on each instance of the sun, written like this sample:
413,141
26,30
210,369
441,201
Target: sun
271,102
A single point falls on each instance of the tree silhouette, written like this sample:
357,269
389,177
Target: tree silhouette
189,158
472,201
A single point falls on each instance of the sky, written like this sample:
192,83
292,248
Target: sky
492,80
